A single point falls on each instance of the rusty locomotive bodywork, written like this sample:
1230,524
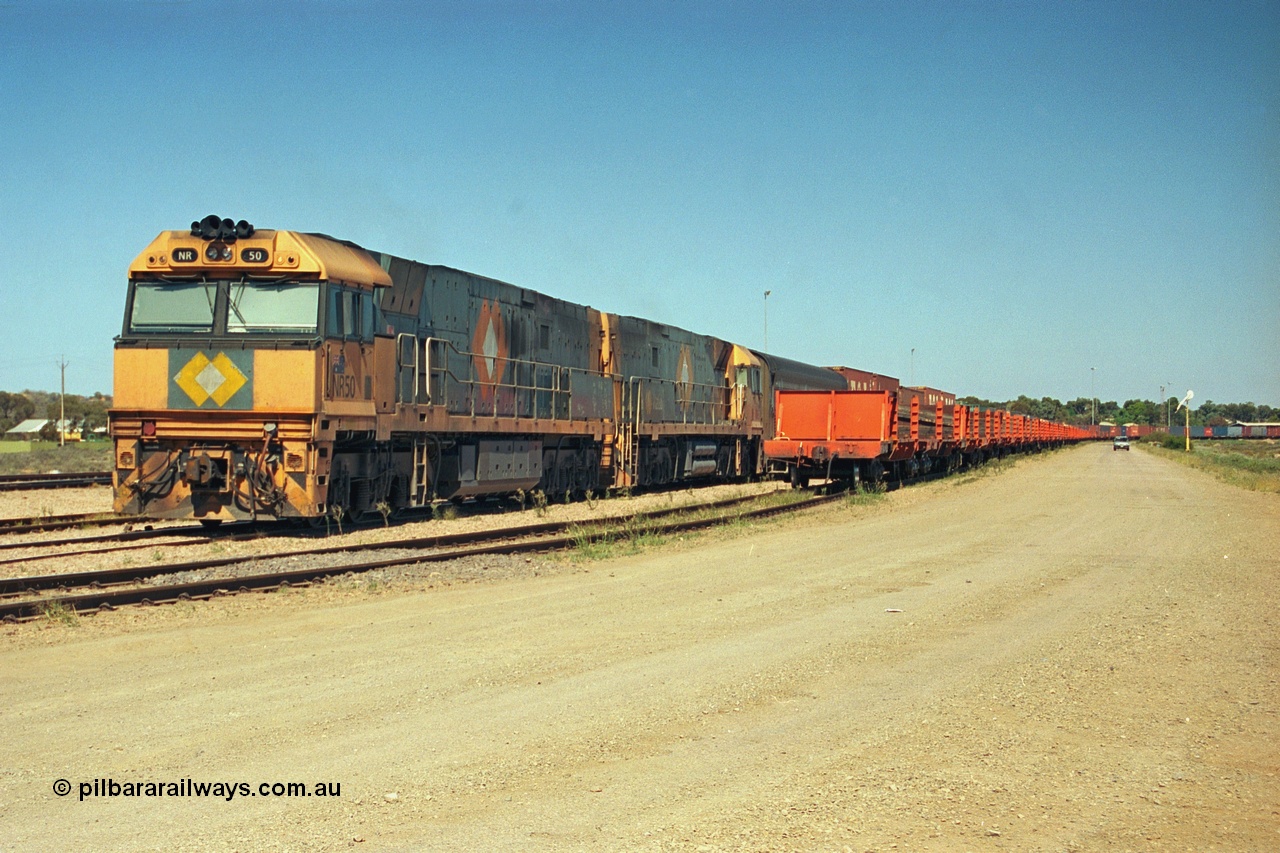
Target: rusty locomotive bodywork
282,374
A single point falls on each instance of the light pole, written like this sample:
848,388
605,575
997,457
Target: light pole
1166,405
913,367
766,319
1186,401
1093,400
1168,422
62,404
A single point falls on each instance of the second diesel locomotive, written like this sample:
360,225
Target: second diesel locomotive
285,374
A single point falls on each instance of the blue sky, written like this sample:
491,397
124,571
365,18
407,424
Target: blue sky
1018,191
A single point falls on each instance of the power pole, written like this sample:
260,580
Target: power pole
1166,404
62,404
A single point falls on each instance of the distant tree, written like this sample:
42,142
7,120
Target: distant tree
1204,413
1137,412
40,400
1240,412
1024,405
1051,409
14,408
1108,411
86,413
1077,410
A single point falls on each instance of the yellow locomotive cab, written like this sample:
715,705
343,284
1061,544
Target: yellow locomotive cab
243,354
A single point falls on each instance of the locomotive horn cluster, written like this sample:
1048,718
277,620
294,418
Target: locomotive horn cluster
213,227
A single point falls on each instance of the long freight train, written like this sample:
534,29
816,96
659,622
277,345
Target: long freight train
284,374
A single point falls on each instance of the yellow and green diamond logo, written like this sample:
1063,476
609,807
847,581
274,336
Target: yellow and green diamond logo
203,378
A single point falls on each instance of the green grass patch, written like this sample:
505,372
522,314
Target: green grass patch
1252,464
987,469
1163,439
605,539
56,611
75,458
866,496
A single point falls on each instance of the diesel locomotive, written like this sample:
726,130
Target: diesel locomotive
279,374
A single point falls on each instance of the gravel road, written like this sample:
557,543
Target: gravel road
1078,653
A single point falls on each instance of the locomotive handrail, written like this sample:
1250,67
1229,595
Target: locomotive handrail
549,393
697,403
708,410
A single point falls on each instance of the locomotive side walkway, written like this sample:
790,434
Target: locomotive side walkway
1077,653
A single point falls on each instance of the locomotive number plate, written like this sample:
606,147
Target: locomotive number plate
185,256
254,255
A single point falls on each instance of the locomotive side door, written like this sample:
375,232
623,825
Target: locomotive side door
747,407
349,325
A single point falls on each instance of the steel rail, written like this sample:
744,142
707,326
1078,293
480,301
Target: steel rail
551,536
37,523
14,482
108,577
200,534
147,532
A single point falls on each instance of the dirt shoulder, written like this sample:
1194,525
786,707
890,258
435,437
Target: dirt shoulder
1076,654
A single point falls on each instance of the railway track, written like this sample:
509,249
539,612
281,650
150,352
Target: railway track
535,538
16,482
39,523
134,538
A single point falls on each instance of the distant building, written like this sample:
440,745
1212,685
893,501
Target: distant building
28,429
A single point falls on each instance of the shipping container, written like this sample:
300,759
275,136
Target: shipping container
864,380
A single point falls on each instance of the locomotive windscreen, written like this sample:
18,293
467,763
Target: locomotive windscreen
251,307
280,308
187,307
